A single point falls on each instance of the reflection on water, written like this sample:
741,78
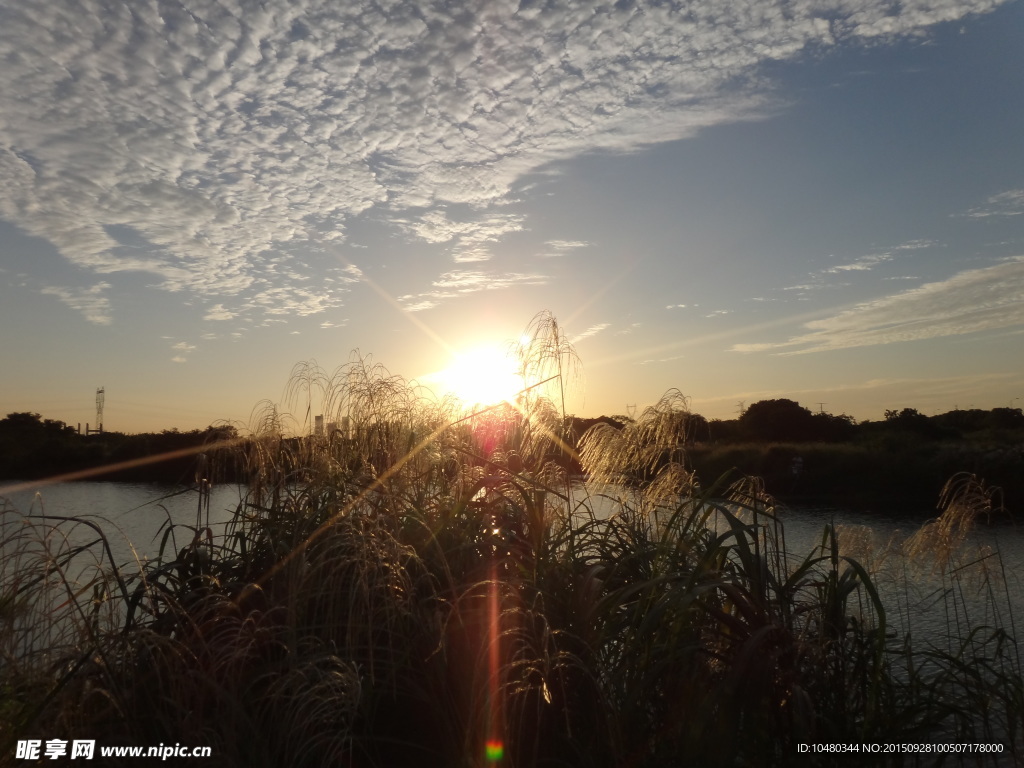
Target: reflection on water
133,516
980,586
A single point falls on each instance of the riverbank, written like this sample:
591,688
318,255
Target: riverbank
875,477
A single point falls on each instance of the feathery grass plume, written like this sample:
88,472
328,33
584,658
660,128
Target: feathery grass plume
649,452
546,353
964,499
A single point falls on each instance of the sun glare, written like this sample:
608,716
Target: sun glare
483,375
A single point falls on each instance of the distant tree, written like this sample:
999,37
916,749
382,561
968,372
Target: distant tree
779,420
830,428
217,432
1005,418
27,425
912,421
21,421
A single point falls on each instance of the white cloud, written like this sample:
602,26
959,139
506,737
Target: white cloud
870,261
1009,203
420,306
662,360
218,133
470,238
460,282
915,245
183,348
218,312
555,248
863,264
591,331
974,300
94,307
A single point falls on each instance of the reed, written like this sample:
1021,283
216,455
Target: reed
425,586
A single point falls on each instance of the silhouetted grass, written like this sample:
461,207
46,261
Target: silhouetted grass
426,587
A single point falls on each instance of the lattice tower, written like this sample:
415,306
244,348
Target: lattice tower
100,399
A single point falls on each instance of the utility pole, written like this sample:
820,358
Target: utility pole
821,407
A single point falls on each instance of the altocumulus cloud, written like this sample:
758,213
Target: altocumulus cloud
220,132
974,300
89,301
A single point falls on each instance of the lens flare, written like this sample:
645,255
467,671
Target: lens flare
495,750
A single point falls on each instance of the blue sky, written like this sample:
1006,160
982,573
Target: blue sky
821,201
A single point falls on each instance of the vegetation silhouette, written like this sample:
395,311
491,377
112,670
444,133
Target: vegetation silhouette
421,585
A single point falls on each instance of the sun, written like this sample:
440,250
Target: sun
482,375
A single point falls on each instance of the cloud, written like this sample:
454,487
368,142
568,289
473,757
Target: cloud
915,245
197,143
183,348
661,360
1009,203
863,264
970,301
591,331
218,312
460,282
470,238
94,307
556,248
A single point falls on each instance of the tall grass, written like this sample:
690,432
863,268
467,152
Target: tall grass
425,587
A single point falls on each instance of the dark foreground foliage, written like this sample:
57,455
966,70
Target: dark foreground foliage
423,590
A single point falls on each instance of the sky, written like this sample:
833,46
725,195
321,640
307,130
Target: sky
822,201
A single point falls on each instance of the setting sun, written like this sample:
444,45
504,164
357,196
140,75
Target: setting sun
482,375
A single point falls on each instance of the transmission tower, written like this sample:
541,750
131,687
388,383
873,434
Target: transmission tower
98,430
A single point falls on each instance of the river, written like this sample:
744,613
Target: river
135,517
